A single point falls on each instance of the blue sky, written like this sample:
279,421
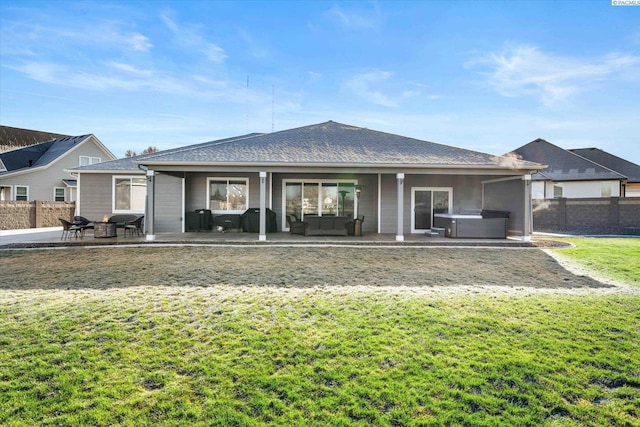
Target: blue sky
488,76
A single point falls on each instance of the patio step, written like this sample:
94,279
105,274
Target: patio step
435,232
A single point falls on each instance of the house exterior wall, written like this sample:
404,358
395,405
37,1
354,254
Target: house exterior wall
168,204
632,190
196,188
467,195
508,196
95,199
368,198
575,189
41,182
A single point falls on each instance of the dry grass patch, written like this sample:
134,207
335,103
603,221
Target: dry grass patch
103,268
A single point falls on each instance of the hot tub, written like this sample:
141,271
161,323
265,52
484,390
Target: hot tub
472,226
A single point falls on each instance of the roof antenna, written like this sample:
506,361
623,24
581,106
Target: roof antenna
273,97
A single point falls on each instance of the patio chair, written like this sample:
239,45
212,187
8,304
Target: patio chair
295,226
134,226
68,228
83,222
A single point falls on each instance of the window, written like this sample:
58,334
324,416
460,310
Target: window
5,192
22,192
88,160
605,190
227,195
58,194
319,197
557,192
129,194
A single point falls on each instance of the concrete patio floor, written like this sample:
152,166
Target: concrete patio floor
50,237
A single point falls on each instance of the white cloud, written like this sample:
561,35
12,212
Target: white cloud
189,37
379,88
366,86
354,20
525,70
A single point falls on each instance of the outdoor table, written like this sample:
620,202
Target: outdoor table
105,229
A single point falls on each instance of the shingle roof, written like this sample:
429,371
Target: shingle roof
608,160
331,143
39,154
130,163
563,165
13,138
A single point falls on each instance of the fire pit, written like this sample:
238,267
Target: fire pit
105,228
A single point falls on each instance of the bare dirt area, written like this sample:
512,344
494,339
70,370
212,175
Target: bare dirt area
340,270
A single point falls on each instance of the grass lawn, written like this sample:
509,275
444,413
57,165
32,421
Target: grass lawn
318,336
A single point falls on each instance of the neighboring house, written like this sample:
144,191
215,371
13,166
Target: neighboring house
568,175
13,138
396,182
39,171
615,163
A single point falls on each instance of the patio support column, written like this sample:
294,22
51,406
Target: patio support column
528,212
150,213
263,207
400,230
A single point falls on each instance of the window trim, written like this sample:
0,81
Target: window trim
64,194
113,194
320,181
227,178
15,192
91,160
7,196
558,187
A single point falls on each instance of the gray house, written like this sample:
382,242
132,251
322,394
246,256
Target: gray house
329,169
39,171
568,174
624,167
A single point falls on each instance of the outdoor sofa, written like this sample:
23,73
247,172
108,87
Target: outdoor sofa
325,225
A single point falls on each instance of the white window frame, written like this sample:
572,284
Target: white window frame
64,194
113,193
8,192
90,160
313,181
227,178
15,191
561,188
432,190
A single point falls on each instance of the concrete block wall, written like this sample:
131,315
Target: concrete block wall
612,215
15,215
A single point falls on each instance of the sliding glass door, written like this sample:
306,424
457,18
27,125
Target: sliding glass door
425,202
318,197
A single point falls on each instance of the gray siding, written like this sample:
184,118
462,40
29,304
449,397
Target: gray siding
95,195
388,207
196,188
508,196
168,204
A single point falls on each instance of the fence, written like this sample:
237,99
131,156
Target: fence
16,215
612,215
